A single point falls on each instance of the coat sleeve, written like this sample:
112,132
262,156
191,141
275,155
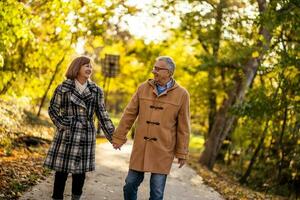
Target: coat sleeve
127,120
103,116
54,110
183,129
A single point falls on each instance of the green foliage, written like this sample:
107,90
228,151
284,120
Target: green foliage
35,36
196,143
257,106
7,145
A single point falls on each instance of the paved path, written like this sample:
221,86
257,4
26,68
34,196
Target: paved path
108,179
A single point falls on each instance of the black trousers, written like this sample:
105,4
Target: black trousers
60,182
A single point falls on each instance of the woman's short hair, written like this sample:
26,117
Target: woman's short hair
75,65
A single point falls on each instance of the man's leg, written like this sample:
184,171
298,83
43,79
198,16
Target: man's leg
132,182
59,185
157,186
77,185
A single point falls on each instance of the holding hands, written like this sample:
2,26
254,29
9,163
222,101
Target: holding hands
116,146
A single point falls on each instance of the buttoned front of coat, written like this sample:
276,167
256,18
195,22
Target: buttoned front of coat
162,127
73,146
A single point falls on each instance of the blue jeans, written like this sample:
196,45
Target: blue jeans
135,178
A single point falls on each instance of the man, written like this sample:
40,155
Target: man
162,129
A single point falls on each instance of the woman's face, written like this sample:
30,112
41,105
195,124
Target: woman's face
85,71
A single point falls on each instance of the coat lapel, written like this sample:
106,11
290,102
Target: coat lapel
69,86
80,99
75,98
90,91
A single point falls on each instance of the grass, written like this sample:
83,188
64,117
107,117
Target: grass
17,186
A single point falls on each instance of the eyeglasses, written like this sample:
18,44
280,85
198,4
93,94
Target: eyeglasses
159,69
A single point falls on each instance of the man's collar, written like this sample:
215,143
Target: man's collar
152,83
169,84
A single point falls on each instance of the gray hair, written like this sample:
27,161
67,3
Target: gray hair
170,62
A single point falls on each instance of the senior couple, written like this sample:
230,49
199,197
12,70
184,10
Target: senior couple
161,107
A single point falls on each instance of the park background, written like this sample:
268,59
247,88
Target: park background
239,60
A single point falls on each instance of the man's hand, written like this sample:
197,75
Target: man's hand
181,162
117,146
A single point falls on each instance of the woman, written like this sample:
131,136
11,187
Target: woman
71,109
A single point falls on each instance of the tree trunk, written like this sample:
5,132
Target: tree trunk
223,121
212,97
72,40
281,145
50,83
255,154
7,85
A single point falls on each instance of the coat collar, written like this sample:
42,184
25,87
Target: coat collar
69,85
151,82
79,99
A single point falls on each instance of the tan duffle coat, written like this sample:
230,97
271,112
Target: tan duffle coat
162,128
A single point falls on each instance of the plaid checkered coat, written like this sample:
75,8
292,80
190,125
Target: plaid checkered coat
73,147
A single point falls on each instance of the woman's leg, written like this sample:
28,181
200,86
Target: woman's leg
59,185
77,185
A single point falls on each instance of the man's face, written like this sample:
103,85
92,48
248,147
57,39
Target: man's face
161,72
85,71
